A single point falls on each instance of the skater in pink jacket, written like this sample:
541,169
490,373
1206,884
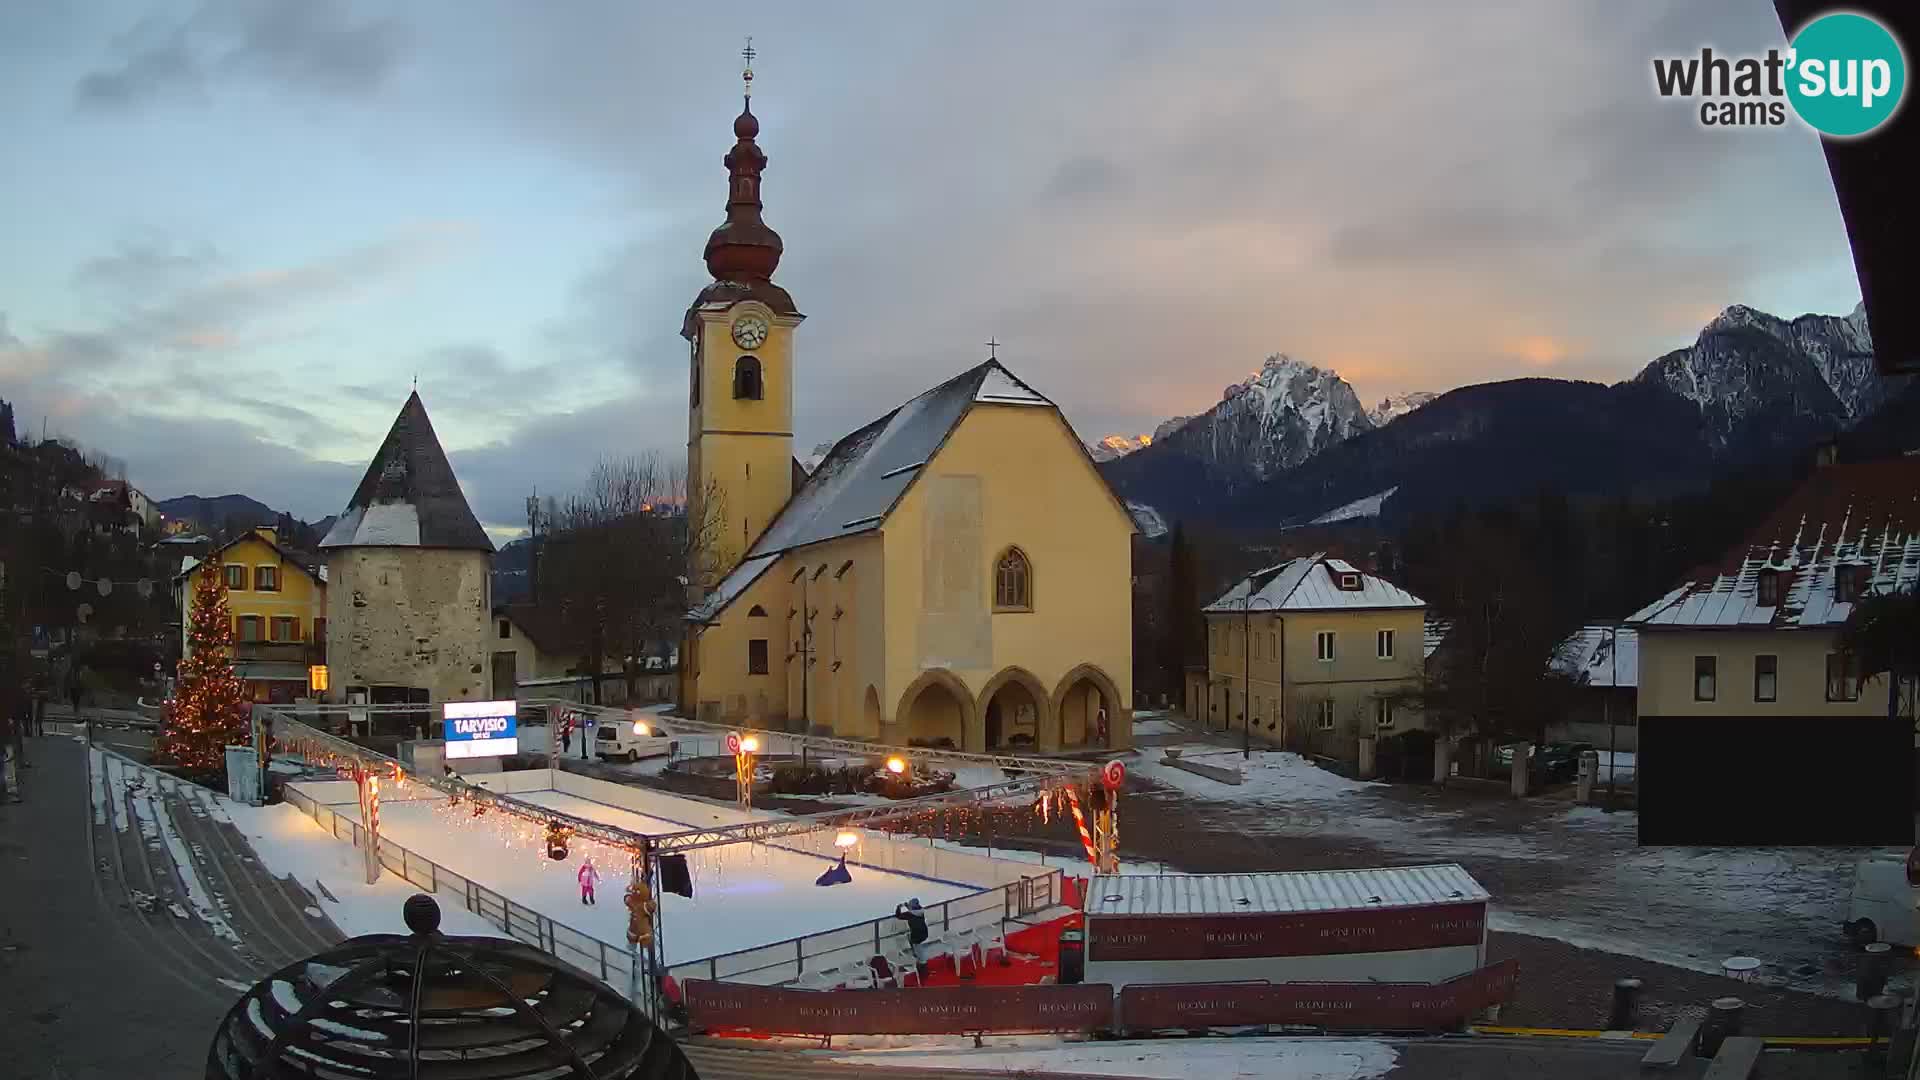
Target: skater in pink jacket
588,876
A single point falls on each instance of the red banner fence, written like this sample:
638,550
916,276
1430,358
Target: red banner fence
945,1010
961,1010
1345,1006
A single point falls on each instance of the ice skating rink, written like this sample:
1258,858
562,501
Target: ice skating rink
744,895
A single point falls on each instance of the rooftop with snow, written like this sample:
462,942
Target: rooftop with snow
1312,583
1847,532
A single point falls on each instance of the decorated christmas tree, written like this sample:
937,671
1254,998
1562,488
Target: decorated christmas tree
210,711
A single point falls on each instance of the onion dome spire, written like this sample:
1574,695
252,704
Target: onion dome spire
743,248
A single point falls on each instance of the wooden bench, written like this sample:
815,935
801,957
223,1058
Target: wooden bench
1674,1046
1736,1059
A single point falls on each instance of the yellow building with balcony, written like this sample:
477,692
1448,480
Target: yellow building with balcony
278,600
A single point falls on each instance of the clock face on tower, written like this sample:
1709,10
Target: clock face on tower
749,331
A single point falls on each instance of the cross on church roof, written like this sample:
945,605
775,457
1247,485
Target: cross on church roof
993,349
746,75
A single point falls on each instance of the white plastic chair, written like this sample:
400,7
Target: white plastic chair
861,976
904,962
992,939
964,949
825,978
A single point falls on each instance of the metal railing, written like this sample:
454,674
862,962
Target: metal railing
613,963
778,962
794,958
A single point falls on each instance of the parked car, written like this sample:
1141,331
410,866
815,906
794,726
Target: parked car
630,741
1885,906
1561,761
1503,758
1553,763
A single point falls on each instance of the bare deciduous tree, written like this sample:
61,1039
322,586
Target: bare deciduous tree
617,557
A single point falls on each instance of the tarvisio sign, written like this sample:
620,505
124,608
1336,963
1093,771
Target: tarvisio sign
481,728
1113,938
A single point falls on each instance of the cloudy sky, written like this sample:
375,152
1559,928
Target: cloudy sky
236,231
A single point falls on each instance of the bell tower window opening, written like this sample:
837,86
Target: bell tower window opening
746,379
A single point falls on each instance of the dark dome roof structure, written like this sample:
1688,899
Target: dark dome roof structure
426,1006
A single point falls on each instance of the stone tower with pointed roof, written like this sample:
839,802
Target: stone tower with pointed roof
408,572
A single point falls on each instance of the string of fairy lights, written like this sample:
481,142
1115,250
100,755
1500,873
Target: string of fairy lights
522,830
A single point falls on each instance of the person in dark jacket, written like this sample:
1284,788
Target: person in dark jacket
916,920
9,763
17,718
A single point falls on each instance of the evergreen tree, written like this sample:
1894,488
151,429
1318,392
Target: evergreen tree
1884,633
210,711
1183,610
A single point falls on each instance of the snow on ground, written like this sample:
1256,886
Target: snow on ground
1573,873
1168,1059
291,844
97,786
1155,727
119,777
286,840
1358,508
1267,775
744,895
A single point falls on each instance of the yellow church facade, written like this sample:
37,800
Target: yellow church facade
955,573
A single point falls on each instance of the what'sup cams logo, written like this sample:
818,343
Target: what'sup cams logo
1843,75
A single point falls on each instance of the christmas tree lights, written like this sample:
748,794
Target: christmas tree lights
210,711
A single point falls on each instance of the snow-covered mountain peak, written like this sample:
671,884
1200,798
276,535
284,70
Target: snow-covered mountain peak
1117,446
1811,364
1282,413
1169,426
1394,406
1739,315
1320,400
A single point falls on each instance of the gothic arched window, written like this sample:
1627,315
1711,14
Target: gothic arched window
746,378
1013,582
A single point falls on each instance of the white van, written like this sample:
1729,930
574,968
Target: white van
1886,906
629,740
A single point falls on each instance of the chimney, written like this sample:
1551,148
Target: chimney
268,533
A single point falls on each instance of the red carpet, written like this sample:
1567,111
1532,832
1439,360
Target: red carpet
1042,942
1039,944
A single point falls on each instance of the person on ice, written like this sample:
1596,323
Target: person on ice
588,876
916,921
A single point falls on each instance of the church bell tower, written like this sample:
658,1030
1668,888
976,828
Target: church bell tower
740,401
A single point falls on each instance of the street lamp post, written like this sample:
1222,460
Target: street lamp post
1613,730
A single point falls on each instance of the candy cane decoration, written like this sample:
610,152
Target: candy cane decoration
371,785
1080,820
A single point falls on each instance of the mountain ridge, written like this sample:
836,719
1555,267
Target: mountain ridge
1752,387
